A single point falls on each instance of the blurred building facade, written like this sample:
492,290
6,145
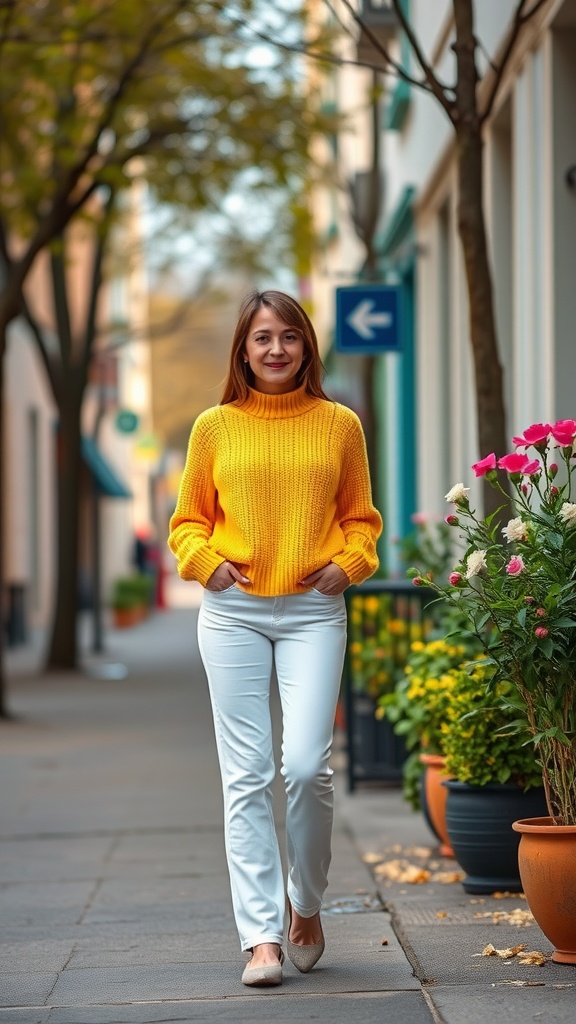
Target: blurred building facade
425,395
117,466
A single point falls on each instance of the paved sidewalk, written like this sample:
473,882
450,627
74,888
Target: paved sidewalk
114,902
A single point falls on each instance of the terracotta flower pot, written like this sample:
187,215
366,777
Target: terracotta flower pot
547,862
434,798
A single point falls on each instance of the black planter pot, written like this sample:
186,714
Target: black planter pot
479,822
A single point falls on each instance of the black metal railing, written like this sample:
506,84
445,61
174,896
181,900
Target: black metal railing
385,617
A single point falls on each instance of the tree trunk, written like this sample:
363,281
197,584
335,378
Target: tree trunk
63,652
491,415
492,436
3,696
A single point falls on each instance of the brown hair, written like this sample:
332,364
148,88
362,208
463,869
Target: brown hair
240,376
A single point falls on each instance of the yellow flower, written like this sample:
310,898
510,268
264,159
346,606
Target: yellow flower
371,604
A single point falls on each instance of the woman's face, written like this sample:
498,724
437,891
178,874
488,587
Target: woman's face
275,353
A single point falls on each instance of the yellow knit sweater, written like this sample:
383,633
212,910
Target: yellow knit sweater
278,485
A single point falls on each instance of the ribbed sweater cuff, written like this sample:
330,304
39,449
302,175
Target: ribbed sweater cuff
201,565
355,565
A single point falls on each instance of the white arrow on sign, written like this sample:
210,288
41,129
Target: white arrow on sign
363,320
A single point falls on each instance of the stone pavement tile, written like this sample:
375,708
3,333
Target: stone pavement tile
49,954
515,1005
369,973
137,949
26,1015
53,903
26,988
196,847
52,859
272,1006
450,955
144,900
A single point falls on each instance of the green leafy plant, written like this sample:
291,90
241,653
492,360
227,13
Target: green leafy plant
476,739
518,597
420,702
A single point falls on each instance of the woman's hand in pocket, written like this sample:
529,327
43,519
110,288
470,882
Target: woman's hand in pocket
224,577
330,580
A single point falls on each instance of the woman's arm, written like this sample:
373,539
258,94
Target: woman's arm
359,520
192,523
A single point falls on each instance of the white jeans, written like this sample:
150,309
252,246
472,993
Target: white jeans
240,636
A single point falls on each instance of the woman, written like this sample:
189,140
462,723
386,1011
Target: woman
275,519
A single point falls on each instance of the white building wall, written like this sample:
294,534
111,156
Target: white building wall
531,223
30,505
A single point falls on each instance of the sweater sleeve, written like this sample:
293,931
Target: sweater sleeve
192,523
359,520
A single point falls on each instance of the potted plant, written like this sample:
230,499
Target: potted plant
516,587
130,599
493,780
418,708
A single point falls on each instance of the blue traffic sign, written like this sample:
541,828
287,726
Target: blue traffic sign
368,319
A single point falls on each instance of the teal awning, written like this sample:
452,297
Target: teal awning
107,482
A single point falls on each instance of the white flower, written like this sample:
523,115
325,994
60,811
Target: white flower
516,530
458,493
476,563
568,513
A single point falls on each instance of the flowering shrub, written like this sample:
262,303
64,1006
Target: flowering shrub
380,634
476,739
419,705
518,595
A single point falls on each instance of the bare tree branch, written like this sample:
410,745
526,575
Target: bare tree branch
438,89
39,335
426,85
518,21
306,50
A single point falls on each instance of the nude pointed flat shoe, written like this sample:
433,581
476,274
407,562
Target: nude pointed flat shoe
271,974
304,957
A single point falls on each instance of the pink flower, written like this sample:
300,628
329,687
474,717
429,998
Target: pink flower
537,435
455,578
554,492
541,632
514,463
530,600
418,581
541,613
515,566
485,465
452,520
552,470
532,468
564,431
419,518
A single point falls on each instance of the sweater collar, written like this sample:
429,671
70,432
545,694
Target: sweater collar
271,407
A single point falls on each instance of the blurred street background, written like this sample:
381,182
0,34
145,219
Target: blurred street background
407,170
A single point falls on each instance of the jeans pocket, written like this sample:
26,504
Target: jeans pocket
226,590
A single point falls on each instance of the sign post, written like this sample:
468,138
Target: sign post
368,319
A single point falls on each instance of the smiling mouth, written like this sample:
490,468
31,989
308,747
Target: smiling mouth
276,366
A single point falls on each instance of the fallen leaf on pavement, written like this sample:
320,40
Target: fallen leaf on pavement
372,858
441,913
518,916
418,851
534,957
384,942
504,954
402,871
447,877
508,895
